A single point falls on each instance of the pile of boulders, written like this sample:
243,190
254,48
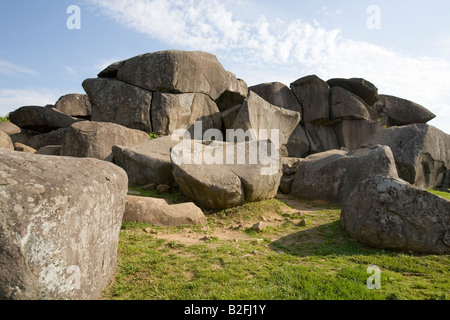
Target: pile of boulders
65,168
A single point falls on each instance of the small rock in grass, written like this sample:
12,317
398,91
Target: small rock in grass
259,227
149,187
302,223
162,188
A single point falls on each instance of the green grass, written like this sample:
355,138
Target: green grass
442,194
174,197
286,261
4,119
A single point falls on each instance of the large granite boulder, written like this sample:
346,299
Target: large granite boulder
361,87
421,152
331,176
158,212
75,105
353,134
346,105
256,114
180,111
61,219
401,112
300,143
176,71
277,94
118,102
220,175
95,139
148,162
313,94
38,140
5,141
41,119
322,136
390,213
235,93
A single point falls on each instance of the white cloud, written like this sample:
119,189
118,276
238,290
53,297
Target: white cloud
9,68
12,99
287,50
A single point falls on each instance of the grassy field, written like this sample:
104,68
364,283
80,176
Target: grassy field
302,254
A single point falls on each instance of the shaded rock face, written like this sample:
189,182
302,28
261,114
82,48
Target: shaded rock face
9,128
389,213
331,176
360,87
38,140
256,114
176,71
50,150
75,105
235,93
159,212
61,219
225,176
278,94
148,162
117,102
41,119
313,94
353,134
401,112
323,137
421,152
180,111
346,105
95,139
5,141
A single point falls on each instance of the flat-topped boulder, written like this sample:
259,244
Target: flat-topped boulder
89,139
389,213
331,176
147,162
175,71
41,119
61,219
361,87
158,212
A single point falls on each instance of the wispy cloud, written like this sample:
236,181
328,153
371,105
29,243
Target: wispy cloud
8,68
11,99
288,50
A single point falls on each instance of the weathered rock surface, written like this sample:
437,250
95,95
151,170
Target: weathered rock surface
118,102
159,212
403,112
235,93
300,143
278,95
389,213
148,162
180,111
220,180
95,139
331,176
229,116
352,134
346,105
9,128
176,71
111,70
256,114
323,137
421,152
75,105
40,119
61,219
361,87
313,94
5,141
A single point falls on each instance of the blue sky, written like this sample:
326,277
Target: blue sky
407,55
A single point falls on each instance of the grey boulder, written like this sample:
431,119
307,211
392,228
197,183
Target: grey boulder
5,141
176,71
353,134
61,219
346,105
117,102
75,105
158,212
361,87
148,162
9,128
421,152
235,93
389,213
278,94
89,139
331,176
